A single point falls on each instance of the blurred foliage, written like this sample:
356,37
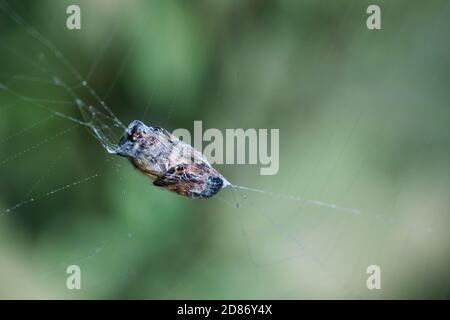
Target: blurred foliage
364,122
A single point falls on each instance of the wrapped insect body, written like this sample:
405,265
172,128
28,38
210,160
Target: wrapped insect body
169,162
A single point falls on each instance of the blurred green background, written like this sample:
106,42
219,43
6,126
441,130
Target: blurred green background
364,122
